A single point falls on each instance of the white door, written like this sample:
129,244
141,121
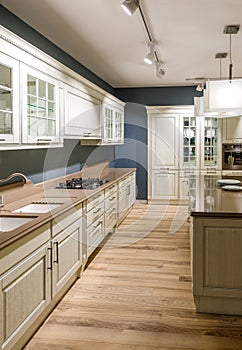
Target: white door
164,185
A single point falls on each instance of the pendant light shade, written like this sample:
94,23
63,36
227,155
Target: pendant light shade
130,6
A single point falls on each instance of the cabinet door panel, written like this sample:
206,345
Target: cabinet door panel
164,185
82,113
67,256
232,129
164,136
25,294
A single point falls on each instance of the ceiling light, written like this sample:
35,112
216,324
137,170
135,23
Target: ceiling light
150,58
130,6
159,71
200,87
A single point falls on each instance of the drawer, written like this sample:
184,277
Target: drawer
16,252
111,218
95,233
123,183
111,201
95,213
64,220
110,191
95,200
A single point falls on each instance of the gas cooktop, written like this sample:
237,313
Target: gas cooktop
79,183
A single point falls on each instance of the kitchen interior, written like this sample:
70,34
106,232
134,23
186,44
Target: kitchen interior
120,180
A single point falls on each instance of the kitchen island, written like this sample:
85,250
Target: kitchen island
216,245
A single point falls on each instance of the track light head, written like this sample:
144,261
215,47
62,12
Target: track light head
159,70
200,87
150,58
130,6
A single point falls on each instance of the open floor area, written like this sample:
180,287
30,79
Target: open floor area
136,294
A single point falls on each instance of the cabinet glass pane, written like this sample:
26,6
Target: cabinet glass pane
42,89
42,108
189,141
32,103
51,90
42,127
51,110
210,141
32,126
32,85
51,128
6,123
5,99
5,76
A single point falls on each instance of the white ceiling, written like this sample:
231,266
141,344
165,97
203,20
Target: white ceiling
100,35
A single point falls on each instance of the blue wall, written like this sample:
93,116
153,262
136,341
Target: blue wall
42,164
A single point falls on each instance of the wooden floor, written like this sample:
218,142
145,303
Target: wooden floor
136,294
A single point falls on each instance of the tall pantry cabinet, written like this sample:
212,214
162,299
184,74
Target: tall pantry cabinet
180,144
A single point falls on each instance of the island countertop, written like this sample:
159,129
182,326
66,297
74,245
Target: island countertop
207,198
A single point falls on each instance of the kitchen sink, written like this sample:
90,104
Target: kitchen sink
8,223
37,208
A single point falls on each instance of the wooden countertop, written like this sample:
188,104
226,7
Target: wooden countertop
207,198
17,196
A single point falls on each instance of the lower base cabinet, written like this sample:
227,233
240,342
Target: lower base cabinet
25,292
164,185
49,259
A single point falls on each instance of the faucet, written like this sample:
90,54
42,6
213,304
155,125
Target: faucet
24,178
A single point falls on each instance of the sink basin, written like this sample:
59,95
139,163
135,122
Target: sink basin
8,223
37,208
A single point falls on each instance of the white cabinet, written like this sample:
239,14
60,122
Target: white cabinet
164,185
113,124
126,195
40,107
25,285
94,222
9,100
82,114
66,247
111,208
232,130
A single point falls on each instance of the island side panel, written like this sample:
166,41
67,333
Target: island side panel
217,265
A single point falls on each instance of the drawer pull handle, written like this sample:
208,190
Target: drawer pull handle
111,199
2,140
51,256
57,253
98,224
96,211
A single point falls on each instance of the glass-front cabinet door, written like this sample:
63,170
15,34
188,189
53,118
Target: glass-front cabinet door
113,125
119,126
9,100
40,107
210,142
189,136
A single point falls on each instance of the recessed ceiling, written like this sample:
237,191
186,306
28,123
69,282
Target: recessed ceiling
101,36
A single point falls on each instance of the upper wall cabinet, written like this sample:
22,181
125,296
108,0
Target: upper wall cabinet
82,114
40,107
42,101
113,124
9,100
232,130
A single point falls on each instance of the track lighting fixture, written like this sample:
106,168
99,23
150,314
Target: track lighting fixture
150,58
130,6
159,71
200,87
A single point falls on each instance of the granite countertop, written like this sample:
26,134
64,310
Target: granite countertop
18,195
207,198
